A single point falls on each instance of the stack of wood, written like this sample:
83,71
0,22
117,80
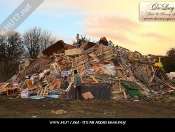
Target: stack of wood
97,63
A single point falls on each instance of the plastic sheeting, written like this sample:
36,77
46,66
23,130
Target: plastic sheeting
132,88
111,69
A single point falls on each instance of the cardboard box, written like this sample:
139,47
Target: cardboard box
24,93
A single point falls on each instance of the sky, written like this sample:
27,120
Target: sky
116,20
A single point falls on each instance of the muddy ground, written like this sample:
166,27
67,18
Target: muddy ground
49,108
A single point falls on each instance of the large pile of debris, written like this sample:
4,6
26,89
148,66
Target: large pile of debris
122,73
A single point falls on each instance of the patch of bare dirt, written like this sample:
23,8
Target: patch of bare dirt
68,108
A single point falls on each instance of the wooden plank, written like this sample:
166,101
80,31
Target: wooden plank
75,51
118,68
3,85
124,93
105,71
94,79
94,57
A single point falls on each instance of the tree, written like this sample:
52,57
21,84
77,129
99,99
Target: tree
169,60
171,55
36,40
11,50
171,52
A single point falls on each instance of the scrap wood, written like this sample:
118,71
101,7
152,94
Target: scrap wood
111,62
53,85
98,77
101,76
82,73
94,57
43,91
94,78
30,85
116,89
74,51
119,89
170,91
76,63
119,73
129,66
107,56
146,82
50,79
125,63
81,57
87,80
69,87
3,89
144,92
58,83
96,68
108,60
130,72
58,111
81,68
94,63
104,71
92,49
54,66
124,93
170,86
164,82
153,74
118,68
87,95
3,85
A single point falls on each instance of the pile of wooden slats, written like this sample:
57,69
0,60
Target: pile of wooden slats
96,63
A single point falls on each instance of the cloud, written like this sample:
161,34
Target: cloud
87,7
153,35
117,20
111,22
111,35
100,17
157,36
114,27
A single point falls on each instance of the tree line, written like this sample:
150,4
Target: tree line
15,47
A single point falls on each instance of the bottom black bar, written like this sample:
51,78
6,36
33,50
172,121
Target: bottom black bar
114,122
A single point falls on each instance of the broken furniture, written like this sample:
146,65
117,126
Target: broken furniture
32,88
11,90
